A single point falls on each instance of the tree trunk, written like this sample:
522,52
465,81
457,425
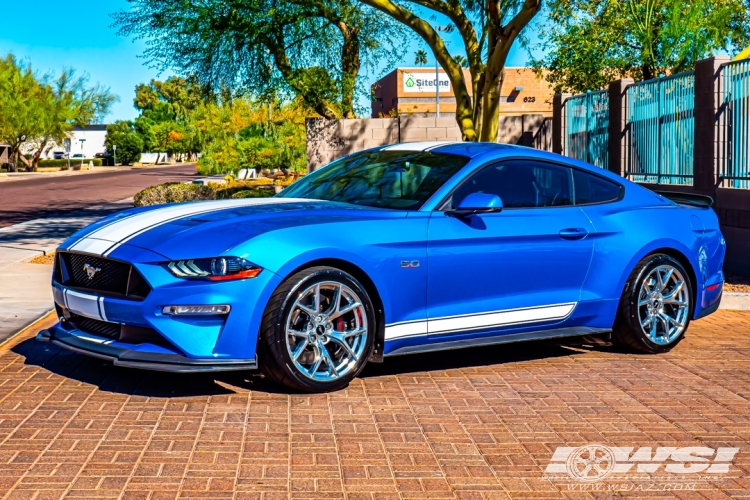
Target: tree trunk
350,63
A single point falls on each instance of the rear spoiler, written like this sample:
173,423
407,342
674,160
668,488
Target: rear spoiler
695,200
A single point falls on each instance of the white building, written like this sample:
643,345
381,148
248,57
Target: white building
87,140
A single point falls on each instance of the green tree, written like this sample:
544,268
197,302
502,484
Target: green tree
589,43
420,57
129,142
68,101
488,30
36,110
21,116
313,49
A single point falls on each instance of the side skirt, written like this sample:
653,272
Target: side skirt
573,331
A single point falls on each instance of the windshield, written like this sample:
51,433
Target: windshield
402,180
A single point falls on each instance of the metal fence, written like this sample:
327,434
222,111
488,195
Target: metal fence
587,127
734,125
660,130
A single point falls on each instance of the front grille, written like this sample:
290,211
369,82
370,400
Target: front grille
96,327
110,276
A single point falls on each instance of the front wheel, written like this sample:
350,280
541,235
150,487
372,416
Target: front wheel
655,306
317,330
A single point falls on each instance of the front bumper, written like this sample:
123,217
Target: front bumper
133,356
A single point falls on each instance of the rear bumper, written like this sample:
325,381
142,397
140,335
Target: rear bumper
131,356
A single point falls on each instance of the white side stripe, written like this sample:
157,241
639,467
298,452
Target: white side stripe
105,239
478,321
406,329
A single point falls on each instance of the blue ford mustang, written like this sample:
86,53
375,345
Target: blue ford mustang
395,250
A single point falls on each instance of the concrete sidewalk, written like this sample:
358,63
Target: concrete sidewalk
25,293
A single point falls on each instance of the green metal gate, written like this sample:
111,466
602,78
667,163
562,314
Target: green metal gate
660,130
734,124
587,127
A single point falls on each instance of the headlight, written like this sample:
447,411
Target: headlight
218,269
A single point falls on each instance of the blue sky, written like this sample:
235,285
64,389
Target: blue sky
78,35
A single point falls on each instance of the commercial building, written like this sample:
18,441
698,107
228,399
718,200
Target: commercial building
412,91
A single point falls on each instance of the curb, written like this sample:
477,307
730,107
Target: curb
735,301
21,335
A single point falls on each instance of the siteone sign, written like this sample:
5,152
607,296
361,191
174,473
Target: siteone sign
425,82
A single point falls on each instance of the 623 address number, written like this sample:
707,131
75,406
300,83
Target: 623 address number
529,99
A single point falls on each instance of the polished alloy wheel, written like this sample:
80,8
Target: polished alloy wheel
664,304
326,331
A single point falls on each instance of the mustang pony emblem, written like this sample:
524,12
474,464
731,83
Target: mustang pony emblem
91,271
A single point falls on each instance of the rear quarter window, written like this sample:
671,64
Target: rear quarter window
591,188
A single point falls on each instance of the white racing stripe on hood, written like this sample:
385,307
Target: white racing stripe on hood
106,239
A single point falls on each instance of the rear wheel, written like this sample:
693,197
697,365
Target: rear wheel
655,306
317,330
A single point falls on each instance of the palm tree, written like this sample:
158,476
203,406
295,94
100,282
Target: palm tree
461,61
420,57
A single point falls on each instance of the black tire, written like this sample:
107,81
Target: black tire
627,331
274,358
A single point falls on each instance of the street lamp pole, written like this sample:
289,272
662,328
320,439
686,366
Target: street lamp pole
82,155
437,88
114,151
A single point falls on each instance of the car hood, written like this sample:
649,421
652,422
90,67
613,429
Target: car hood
209,229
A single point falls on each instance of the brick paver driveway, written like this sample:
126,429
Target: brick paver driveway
478,423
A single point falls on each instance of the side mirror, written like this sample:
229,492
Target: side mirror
477,203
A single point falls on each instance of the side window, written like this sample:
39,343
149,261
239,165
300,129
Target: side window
521,184
594,189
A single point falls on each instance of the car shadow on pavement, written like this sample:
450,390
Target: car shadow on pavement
110,378
473,357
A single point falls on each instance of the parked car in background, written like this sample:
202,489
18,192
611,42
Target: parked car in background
77,156
395,250
59,155
101,155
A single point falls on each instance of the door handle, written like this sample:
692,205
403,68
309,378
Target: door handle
573,233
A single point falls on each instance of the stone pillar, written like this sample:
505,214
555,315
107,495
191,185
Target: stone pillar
558,123
708,149
617,160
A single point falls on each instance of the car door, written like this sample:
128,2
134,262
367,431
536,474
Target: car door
523,265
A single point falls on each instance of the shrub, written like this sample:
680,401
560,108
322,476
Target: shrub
73,162
253,193
173,192
128,141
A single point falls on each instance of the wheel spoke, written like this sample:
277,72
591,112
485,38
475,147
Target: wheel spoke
318,360
667,277
653,327
659,281
329,361
670,319
317,298
300,349
675,291
346,309
644,302
335,303
341,341
296,333
353,333
665,323
305,309
674,302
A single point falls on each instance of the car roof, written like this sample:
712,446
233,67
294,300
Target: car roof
469,149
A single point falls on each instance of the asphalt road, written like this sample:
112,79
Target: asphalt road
40,197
